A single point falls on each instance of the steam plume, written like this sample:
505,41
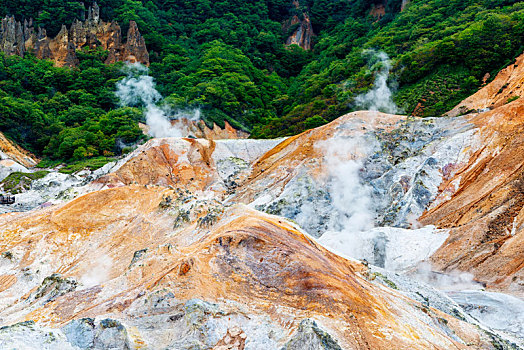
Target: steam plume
351,198
99,273
379,98
138,87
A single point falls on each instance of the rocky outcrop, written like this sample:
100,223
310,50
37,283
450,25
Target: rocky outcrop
378,9
17,39
10,150
199,129
12,37
302,30
507,86
14,158
482,202
135,47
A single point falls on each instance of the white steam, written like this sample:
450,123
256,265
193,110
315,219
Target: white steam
351,227
99,273
138,87
380,97
353,208
450,281
351,198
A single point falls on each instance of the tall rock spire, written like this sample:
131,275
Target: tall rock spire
16,38
303,34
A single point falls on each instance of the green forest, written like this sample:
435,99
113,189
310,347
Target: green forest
229,58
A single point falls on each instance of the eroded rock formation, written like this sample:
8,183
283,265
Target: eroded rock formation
199,129
302,34
17,39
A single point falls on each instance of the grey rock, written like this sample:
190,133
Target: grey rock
309,336
81,333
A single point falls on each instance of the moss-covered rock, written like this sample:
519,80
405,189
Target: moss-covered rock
55,286
19,182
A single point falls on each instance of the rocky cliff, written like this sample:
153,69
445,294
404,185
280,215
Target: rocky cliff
17,38
14,158
507,86
302,31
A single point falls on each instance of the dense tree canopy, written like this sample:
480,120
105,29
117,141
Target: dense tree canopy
228,58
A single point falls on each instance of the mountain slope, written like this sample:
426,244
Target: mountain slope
508,85
159,250
124,254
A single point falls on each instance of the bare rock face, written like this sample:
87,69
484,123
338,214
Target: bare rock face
507,86
482,203
200,130
135,47
41,45
378,9
12,37
303,34
17,39
12,151
14,158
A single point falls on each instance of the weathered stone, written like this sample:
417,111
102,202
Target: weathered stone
303,34
111,334
310,337
54,286
17,38
81,333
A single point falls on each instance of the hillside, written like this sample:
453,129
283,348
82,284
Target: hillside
170,247
277,174
275,68
372,229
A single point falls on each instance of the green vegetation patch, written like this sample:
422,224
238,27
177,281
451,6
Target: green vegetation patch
386,281
19,182
229,60
89,163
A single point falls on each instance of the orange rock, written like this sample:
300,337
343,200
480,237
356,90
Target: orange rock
485,212
303,35
248,258
17,153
